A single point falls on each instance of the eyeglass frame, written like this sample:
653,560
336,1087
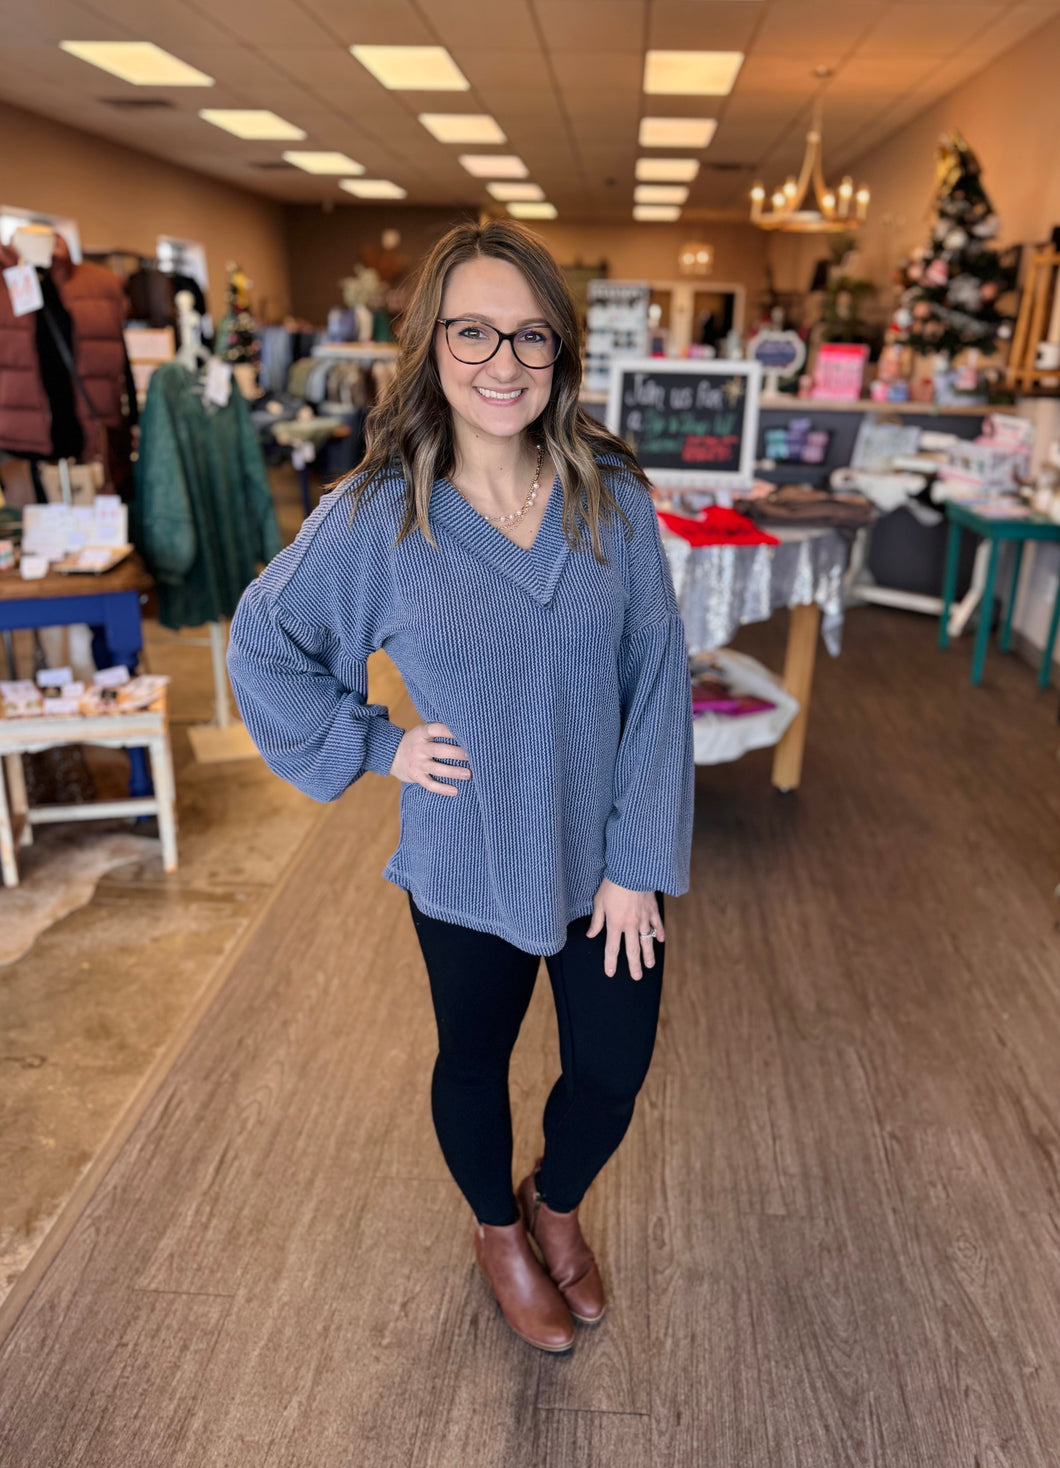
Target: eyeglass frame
502,337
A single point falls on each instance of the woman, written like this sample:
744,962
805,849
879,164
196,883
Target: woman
503,548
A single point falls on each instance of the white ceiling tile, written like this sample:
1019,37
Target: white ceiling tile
609,69
269,22
461,23
817,31
492,69
174,26
703,25
588,26
373,22
926,29
882,76
764,74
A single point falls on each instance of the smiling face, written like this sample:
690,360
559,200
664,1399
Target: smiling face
499,398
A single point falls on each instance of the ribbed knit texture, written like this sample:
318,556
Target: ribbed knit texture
566,681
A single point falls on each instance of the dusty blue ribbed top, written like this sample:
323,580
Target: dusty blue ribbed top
566,681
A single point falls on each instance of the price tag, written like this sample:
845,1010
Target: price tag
24,289
218,387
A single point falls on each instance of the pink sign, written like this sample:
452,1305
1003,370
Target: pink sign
840,370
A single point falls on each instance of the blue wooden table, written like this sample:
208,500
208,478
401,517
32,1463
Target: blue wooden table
110,606
1034,527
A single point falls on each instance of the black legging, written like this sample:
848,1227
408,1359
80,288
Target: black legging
481,987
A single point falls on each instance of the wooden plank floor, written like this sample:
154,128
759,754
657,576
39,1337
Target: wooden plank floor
832,1235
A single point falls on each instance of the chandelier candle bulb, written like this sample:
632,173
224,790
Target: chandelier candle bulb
862,198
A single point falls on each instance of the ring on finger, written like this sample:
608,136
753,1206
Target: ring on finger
649,934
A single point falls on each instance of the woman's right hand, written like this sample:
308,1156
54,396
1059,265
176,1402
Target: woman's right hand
418,760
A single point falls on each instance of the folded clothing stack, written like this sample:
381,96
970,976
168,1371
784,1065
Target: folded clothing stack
802,505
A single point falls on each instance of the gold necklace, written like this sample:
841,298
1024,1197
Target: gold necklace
517,515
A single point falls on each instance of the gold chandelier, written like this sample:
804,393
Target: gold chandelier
838,210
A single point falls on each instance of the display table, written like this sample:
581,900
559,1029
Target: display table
135,731
722,587
109,604
995,532
305,437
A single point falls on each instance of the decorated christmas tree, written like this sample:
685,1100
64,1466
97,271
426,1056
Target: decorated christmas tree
952,288
237,339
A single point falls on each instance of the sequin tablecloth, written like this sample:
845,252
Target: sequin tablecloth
721,587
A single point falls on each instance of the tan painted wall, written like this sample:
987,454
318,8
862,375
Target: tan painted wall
1010,115
649,251
325,247
322,247
124,199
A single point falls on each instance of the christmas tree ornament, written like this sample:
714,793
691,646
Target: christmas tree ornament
955,240
937,273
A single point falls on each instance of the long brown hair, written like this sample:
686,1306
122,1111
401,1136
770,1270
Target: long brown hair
411,428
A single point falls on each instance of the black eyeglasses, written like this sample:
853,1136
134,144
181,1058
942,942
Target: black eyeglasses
473,342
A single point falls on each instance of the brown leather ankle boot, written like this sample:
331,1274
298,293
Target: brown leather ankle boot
529,1301
567,1256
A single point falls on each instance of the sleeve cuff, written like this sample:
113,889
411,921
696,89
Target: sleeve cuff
383,740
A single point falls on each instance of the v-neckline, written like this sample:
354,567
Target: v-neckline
536,567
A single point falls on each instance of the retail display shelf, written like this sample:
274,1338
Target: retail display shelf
787,402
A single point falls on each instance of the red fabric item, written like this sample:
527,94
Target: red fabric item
717,525
94,298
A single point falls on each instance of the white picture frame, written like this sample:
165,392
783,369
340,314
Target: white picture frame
639,377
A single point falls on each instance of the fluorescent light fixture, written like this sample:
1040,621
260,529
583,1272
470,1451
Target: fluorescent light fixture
691,73
666,170
660,194
493,165
656,213
412,68
139,62
323,162
463,127
245,122
532,211
677,132
372,188
509,192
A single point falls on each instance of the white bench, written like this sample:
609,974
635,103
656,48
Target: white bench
142,728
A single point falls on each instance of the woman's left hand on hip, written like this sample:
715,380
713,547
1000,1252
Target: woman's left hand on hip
631,918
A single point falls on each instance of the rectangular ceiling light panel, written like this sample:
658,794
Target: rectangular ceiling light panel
412,68
323,162
372,188
462,127
509,192
139,62
660,194
532,211
247,123
656,213
666,170
677,132
691,73
493,165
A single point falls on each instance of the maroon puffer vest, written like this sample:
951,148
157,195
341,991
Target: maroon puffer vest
94,299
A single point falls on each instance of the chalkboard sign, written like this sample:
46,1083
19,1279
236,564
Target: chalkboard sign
693,425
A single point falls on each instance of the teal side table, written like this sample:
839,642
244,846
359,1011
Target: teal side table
1035,527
